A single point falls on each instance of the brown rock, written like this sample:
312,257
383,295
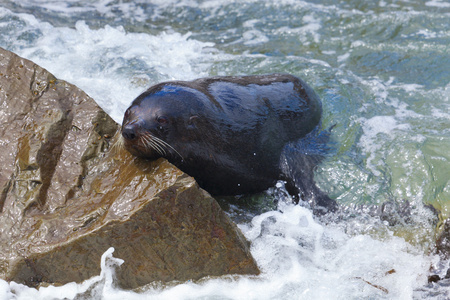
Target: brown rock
65,198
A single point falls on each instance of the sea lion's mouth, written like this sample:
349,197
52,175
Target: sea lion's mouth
138,147
134,148
145,144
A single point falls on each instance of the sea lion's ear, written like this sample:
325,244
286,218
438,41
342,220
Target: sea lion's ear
192,121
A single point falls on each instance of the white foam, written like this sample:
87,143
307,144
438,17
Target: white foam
320,62
378,131
310,28
57,6
437,3
298,256
102,285
344,57
253,37
437,113
5,290
114,66
427,34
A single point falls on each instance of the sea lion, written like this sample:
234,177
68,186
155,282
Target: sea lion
235,135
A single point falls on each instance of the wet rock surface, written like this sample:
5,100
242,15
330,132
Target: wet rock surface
443,241
66,197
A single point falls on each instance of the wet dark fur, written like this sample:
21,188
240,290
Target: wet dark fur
234,135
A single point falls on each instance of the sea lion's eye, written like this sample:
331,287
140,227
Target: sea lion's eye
162,120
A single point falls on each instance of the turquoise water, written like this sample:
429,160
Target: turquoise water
382,69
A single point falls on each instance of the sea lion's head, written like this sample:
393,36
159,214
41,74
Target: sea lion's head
158,119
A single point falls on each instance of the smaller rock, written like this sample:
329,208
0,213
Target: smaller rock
433,278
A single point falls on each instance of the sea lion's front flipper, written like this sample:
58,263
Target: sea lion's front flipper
297,164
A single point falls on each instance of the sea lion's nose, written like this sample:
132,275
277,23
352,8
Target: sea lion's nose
129,132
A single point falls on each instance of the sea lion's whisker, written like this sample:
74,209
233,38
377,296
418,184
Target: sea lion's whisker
146,142
150,143
161,149
165,144
119,144
154,144
160,144
143,140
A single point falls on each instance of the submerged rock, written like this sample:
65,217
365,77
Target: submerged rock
65,197
443,240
